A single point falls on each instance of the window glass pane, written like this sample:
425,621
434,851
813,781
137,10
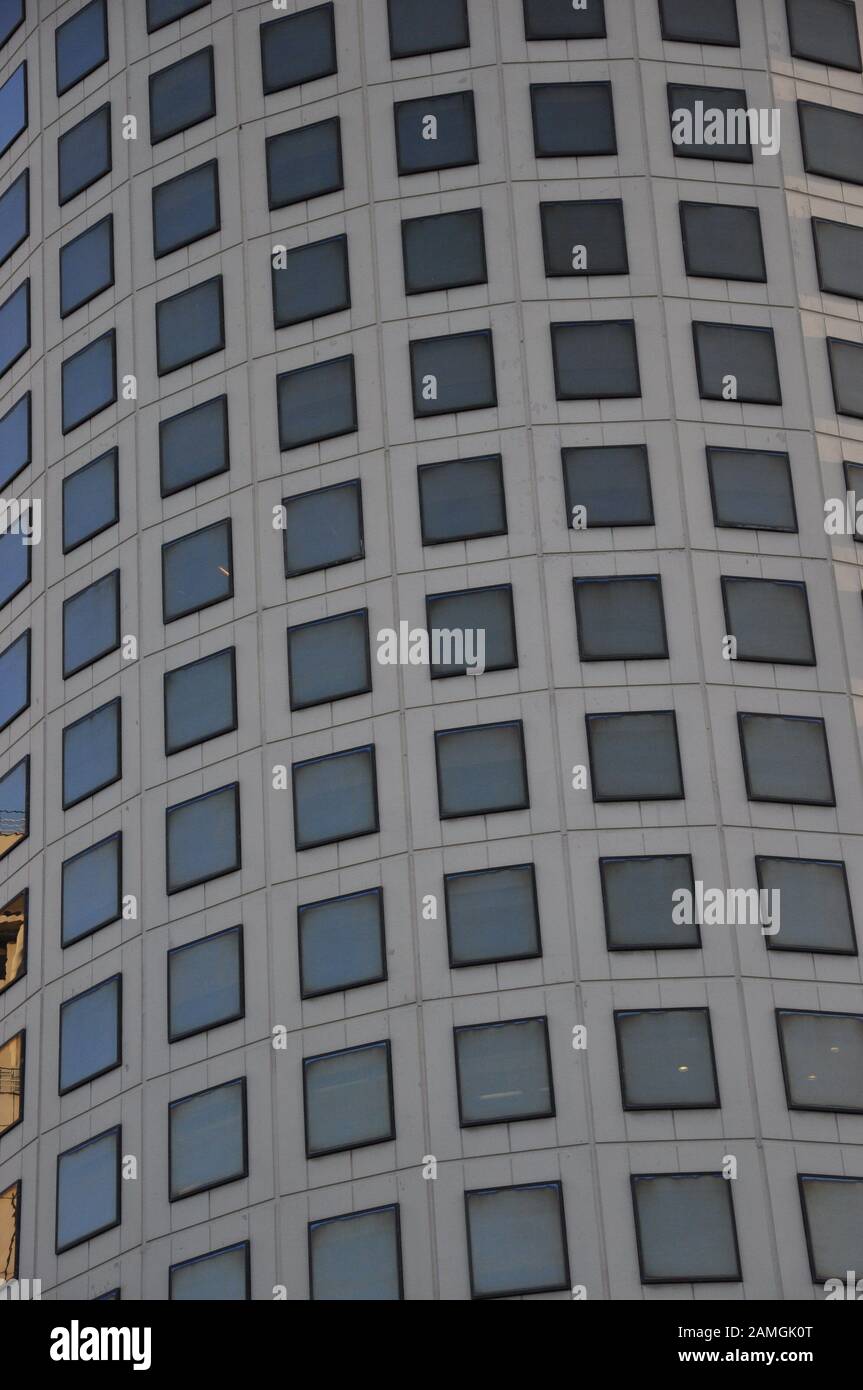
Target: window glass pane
752,489
11,15
91,889
572,118
15,559
348,1099
317,402
203,836
666,1059
298,48
200,701
595,361
471,631
14,806
822,1060
453,373
770,620
190,325
556,19
785,758
832,141
14,679
91,753
584,238
610,482
197,571
335,798
186,208
833,1216
323,528
182,95
700,21
12,1088
14,327
620,618
14,215
839,257
722,242
208,1139
724,350
88,1189
304,163
444,252
313,281
90,500
356,1257
13,107
416,27
81,45
194,445
638,902
825,31
462,499
634,757
86,266
341,942
688,109
13,941
516,1241
222,1277
846,371
205,984
492,915
84,154
10,1215
686,1230
814,905
504,1072
854,486
90,1034
329,659
481,770
162,12
435,132
91,623
89,381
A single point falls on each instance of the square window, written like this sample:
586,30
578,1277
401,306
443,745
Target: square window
471,631
724,350
556,19
444,252
685,1228
15,800
516,1240
15,562
752,489
194,446
846,373
206,986
786,758
584,237
13,942
416,27
815,905
356,1257
12,1072
769,619
162,12
298,48
666,1059
462,499
91,624
182,95
503,1072
492,915
638,902
91,1034
88,1190
435,132
854,487
341,943
700,21
207,1141
13,107
222,1277
609,484
190,325
620,618
14,327
90,500
197,571
822,1060
91,890
481,770
86,266
317,402
722,242
571,119
200,701
833,1220
304,163
15,440
11,17
839,257
203,838
14,683
89,381
186,209
14,215
452,373
323,528
634,756
10,1217
696,112
335,798
595,361
81,45
348,1099
825,31
311,281
84,154
832,140
328,659
91,753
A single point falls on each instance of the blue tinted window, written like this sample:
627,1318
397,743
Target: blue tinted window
89,381
13,107
190,325
14,215
91,753
162,12
182,95
15,560
194,445
91,889
81,45
15,440
86,266
11,16
14,327
203,837
90,500
84,154
14,680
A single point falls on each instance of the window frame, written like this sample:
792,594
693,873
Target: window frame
487,1026
218,280
771,943
79,304
422,52
163,24
361,613
622,395
103,111
22,1034
349,1216
376,891
739,399
356,484
321,192
294,372
570,503
117,978
416,397
218,733
25,762
26,637
581,582
111,335
67,87
634,1180
802,1179
340,238
306,1062
117,638
318,77
116,1131
169,419
603,859
470,112
244,1112
174,1037
244,1245
808,166
3,42
156,139
454,964
28,553
166,183
707,43
238,841
368,748
825,288
24,894
741,104
225,521
505,588
710,451
97,844
557,1185
405,222
517,724
793,1109
684,204
114,454
831,344
27,399
847,465
807,57
539,153
635,1107
15,1186
424,468
25,176
18,133
742,715
116,701
593,717
27,343
727,581
551,274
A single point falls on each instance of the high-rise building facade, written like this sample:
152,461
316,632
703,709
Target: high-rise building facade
431,648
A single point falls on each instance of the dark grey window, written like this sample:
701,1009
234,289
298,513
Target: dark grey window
556,19
14,215
752,489
853,485
335,798
13,943
304,163
203,838
323,528
90,500
722,242
84,154
416,27
503,1072
81,45
342,943
348,1099
595,361
833,1220
194,445
435,132
620,618
846,373
14,327
814,905
825,31
162,12
638,902
197,571
571,119
328,659
459,618
481,770
186,208
634,756
15,801
356,1257
700,21
91,753
839,257
786,758
91,890
724,350
207,1142
91,1034
770,619
611,482
11,16
444,252
452,373
222,1277
13,107
14,682
89,381
88,1189
205,984
462,499
15,561
312,282
182,95
86,266
492,915
832,141
200,701
584,238
685,1228
190,325
516,1240
317,402
666,1059
691,111
15,440
298,48
822,1060
91,623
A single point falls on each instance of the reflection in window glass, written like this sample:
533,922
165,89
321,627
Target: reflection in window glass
516,1240
14,679
685,101
14,215
14,327
634,756
91,753
84,154
584,238
666,1059
444,252
207,1140
356,1257
81,44
571,119
722,242
91,893
700,21
304,163
481,770
90,1034
311,281
298,48
182,95
88,1189
317,402
10,1217
455,372
815,904
503,1072
832,141
197,571
11,1082
492,915
186,208
89,381
200,701
465,615
724,350
685,1228
557,19
91,623
454,144
462,499
203,838
416,27
205,984
335,798
611,482
14,806
341,943
638,902
15,562
751,488
86,266
620,618
222,1277
348,1099
13,107
833,1218
822,1060
323,528
825,31
190,325
193,445
328,659
595,361
13,940
786,758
